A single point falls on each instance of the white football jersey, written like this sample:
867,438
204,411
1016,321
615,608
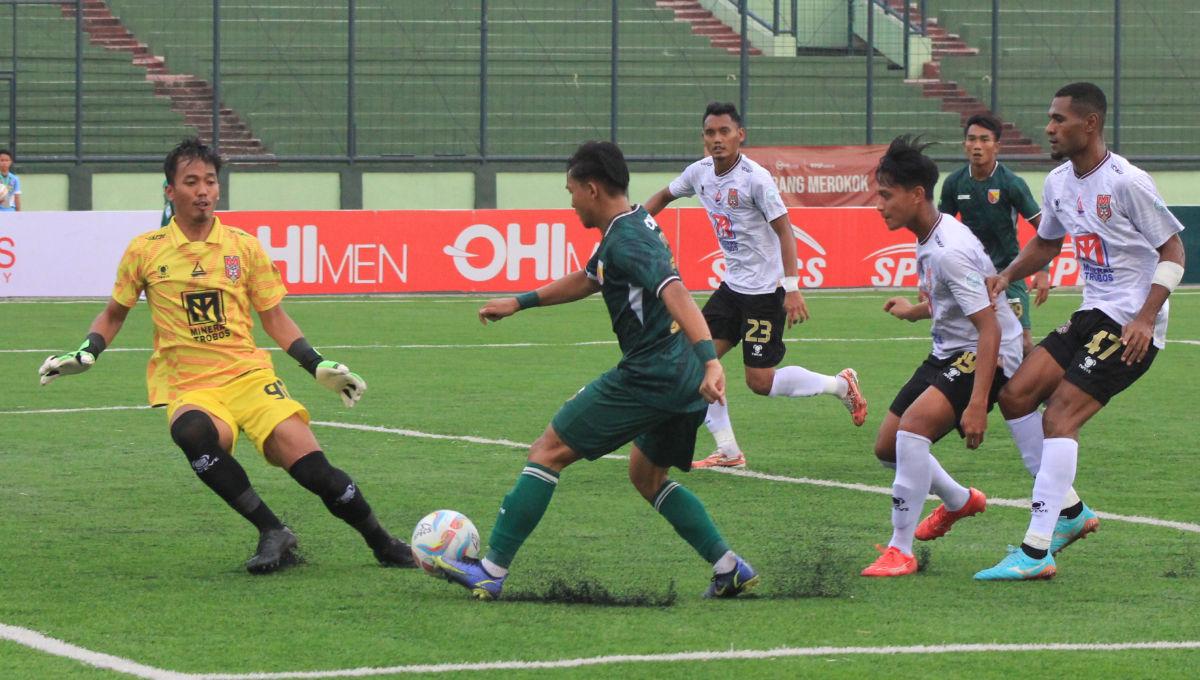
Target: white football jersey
1117,221
952,266
741,204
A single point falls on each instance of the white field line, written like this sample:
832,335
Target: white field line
52,646
504,345
849,486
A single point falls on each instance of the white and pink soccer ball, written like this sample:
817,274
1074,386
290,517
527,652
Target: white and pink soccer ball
444,533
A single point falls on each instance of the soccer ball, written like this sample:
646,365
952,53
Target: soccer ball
446,533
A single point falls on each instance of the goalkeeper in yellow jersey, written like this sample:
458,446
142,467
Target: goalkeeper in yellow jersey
201,279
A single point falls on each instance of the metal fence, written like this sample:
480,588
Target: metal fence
527,80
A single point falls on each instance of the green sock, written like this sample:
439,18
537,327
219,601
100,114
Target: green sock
686,513
520,512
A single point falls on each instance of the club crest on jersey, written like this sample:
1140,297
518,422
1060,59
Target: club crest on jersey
732,200
233,267
993,196
1104,207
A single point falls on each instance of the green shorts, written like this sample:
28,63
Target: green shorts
1018,299
604,416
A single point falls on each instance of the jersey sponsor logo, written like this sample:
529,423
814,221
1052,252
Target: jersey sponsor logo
198,271
204,307
964,197
162,272
1104,207
1079,205
1091,248
233,267
717,196
993,196
155,237
732,200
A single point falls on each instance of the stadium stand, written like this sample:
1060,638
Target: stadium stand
1046,45
121,114
417,83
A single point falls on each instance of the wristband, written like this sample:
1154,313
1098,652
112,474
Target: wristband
791,284
1168,275
705,351
527,300
304,353
93,344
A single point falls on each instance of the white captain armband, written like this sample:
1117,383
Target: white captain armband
1168,275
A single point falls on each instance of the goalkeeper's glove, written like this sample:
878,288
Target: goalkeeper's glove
340,379
330,374
72,362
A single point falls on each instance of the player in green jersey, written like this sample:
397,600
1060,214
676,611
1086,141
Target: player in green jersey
655,397
987,197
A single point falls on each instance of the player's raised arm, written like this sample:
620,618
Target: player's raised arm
100,335
330,374
574,286
658,201
683,309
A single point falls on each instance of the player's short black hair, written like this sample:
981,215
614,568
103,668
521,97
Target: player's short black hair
190,149
602,162
6,152
986,121
906,166
722,109
1085,98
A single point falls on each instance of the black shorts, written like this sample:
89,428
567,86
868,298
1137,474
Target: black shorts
953,377
758,319
1089,349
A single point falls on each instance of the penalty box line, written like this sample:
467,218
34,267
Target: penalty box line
55,647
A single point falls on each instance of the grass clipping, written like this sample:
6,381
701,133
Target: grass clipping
591,592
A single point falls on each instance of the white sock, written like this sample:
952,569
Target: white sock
494,569
794,381
1027,433
717,422
910,487
726,564
1054,479
953,494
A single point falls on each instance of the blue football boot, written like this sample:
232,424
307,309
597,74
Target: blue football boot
741,579
1018,566
470,574
1067,531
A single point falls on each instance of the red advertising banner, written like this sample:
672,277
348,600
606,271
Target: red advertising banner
512,250
821,176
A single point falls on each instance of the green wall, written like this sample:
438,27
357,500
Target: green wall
421,190
284,191
418,190
43,191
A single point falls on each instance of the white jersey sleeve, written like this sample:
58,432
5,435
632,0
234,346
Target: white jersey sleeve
964,281
1050,228
1137,199
766,195
684,185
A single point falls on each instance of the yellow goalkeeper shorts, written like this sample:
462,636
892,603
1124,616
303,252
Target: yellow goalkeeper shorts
254,403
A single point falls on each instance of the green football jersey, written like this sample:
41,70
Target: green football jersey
989,208
633,265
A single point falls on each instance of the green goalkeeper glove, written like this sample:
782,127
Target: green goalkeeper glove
340,379
72,362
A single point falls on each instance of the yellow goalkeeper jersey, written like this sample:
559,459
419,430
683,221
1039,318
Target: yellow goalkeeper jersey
200,294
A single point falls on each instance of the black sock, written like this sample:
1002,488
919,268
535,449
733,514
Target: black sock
1073,511
195,433
1035,553
341,496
